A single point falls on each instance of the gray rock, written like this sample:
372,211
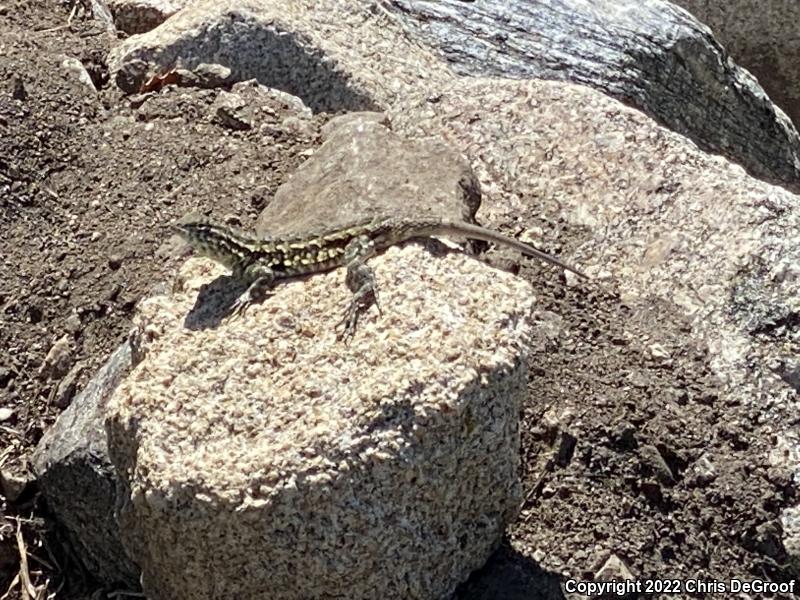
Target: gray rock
789,371
58,359
703,471
18,91
77,478
790,523
101,13
761,35
658,351
75,68
364,169
313,50
649,54
649,201
614,568
204,75
73,323
251,105
139,16
654,461
229,109
66,387
271,100
13,482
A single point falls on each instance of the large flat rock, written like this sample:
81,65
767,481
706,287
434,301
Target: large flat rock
662,217
362,170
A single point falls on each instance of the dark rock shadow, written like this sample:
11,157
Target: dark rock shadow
508,575
214,303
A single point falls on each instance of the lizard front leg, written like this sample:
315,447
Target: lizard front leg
360,280
262,278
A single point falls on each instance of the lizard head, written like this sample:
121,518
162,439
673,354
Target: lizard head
215,241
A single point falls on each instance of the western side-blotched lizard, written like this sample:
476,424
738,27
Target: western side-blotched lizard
261,263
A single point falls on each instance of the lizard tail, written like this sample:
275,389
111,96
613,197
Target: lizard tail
486,235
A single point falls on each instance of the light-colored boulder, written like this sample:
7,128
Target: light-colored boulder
665,218
265,459
333,57
647,53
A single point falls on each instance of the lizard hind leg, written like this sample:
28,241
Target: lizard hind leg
361,281
262,279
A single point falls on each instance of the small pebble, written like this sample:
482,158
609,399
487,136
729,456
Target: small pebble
658,351
73,323
115,261
57,361
6,413
614,569
18,88
12,484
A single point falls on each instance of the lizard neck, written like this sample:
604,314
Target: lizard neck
228,247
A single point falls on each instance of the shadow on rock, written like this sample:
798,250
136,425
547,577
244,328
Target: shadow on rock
214,303
511,576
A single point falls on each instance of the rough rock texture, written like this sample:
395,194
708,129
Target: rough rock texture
668,221
333,59
685,221
790,523
83,280
364,169
658,58
76,475
251,105
650,54
761,35
266,459
626,372
139,16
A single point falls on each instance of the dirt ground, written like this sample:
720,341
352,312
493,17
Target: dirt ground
612,432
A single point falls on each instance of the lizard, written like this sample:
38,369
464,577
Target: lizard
260,263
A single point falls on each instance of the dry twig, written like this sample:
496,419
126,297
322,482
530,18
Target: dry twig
60,27
124,594
11,587
26,587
